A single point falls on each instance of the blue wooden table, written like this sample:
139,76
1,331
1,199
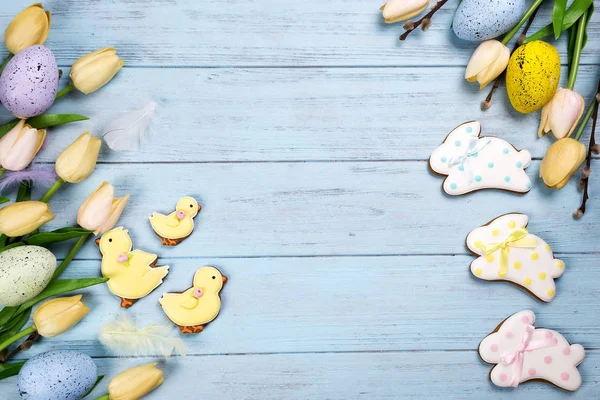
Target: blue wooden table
304,129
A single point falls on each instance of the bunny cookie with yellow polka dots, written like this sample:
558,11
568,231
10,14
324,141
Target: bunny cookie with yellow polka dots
508,252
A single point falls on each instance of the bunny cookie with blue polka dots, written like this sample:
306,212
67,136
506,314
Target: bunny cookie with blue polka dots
474,163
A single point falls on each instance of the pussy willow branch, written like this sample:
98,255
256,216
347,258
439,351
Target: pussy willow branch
488,100
427,16
26,345
585,180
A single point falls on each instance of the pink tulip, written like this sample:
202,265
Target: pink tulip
561,114
20,145
101,211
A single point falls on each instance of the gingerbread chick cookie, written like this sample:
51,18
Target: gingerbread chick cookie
523,353
475,163
178,225
133,274
508,252
193,309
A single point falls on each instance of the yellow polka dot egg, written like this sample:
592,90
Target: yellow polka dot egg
532,76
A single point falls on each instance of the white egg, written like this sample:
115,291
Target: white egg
24,272
479,20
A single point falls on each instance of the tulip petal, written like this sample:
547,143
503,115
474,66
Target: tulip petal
400,10
118,205
487,75
9,139
22,152
485,55
78,160
96,209
544,126
24,217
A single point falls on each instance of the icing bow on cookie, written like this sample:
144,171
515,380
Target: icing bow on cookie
517,357
517,238
474,146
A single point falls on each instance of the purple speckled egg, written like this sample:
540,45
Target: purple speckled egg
57,375
29,82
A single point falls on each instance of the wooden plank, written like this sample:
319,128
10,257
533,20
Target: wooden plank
342,304
287,209
300,114
257,33
430,375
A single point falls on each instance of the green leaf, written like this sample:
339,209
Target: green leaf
59,235
11,246
24,193
60,286
48,120
4,199
6,314
571,16
589,17
93,387
12,369
558,13
15,325
7,127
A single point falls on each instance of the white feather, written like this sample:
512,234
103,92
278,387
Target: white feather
122,338
131,130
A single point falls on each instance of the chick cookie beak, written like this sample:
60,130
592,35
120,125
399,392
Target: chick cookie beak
199,207
97,241
225,279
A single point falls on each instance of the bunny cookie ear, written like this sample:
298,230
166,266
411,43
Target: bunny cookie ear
472,128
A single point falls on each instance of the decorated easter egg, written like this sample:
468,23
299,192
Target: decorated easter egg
479,20
57,375
29,82
24,272
532,76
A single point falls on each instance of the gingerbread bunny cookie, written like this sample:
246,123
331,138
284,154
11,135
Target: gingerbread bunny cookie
523,352
474,163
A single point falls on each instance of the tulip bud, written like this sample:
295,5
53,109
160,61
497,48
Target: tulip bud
57,316
135,383
561,162
24,217
28,28
95,70
20,145
101,211
78,160
401,10
561,114
488,61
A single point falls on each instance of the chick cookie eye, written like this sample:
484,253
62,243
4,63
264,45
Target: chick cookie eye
110,240
214,277
191,206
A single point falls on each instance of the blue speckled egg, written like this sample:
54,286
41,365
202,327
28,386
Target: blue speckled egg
29,82
479,20
57,375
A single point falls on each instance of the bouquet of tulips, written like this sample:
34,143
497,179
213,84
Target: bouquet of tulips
29,269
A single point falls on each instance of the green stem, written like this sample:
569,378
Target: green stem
585,119
2,171
105,397
577,51
22,334
48,195
67,89
8,58
524,19
74,250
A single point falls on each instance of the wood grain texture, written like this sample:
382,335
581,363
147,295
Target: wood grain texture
282,114
257,33
346,304
288,209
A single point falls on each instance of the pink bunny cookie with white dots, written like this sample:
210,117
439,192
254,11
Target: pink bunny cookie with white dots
523,352
474,163
508,252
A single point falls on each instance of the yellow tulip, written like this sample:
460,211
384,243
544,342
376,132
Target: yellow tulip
487,62
561,162
135,383
20,145
400,10
561,114
78,160
101,211
95,70
28,28
24,217
57,316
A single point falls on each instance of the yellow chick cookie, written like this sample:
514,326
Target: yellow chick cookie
178,225
132,274
193,309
